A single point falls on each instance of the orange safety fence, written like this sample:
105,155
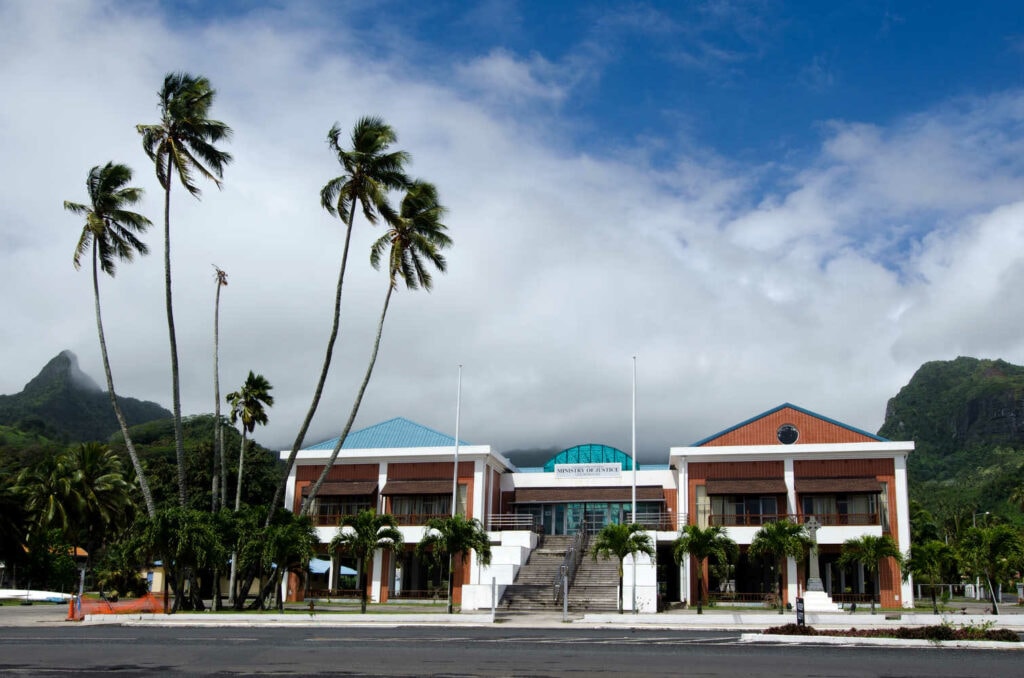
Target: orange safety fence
79,607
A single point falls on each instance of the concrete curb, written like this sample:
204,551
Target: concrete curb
278,620
886,642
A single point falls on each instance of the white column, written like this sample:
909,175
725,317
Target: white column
683,518
790,477
791,582
378,575
289,492
903,523
331,572
382,479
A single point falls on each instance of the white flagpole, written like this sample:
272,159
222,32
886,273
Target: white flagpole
634,478
455,472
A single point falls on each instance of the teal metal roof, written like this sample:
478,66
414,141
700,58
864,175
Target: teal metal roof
393,433
704,441
590,454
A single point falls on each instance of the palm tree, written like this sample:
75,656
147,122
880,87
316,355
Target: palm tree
446,538
103,497
219,455
370,172
777,541
621,540
927,563
994,553
247,405
415,238
702,544
182,143
362,535
110,232
870,550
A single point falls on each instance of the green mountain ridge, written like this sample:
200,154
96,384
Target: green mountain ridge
64,404
966,418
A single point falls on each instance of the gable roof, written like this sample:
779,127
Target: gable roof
393,433
829,430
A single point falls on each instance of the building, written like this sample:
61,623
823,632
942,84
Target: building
786,462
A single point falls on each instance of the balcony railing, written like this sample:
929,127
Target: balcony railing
826,519
745,519
833,519
407,519
662,522
513,521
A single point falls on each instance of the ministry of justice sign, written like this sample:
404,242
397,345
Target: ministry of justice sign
588,470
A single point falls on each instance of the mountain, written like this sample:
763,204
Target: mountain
63,403
966,417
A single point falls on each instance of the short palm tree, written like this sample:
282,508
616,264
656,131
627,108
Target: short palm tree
183,143
370,171
219,456
928,562
414,239
995,553
870,550
702,544
111,233
248,405
362,535
778,541
621,540
446,538
103,495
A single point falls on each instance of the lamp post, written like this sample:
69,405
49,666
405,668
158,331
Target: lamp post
977,580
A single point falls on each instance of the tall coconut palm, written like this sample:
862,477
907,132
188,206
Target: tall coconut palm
702,544
248,405
110,232
778,541
928,562
446,538
621,540
219,461
362,535
415,238
183,144
370,171
870,550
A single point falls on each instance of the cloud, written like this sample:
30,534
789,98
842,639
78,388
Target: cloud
824,283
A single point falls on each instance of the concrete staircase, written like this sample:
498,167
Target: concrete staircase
596,587
533,590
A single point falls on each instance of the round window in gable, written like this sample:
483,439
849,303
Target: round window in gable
787,434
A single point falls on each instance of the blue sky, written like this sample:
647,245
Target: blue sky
766,202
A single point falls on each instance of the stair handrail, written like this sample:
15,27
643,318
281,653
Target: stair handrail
571,561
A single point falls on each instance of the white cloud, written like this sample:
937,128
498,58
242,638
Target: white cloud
895,245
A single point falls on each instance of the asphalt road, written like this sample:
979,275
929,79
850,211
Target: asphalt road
494,651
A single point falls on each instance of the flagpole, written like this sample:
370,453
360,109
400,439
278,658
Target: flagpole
455,472
634,479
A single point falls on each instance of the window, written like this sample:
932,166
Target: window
744,509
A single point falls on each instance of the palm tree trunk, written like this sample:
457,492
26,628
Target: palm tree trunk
935,603
992,595
241,463
621,603
147,496
363,567
782,606
451,583
700,589
355,406
218,439
179,436
297,445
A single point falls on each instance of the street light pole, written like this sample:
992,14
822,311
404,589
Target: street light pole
977,579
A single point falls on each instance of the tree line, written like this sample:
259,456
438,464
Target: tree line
184,148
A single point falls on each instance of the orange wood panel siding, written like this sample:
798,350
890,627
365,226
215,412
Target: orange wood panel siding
431,470
812,430
701,472
384,571
843,468
339,471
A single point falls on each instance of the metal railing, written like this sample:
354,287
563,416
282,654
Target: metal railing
843,518
512,521
571,562
407,519
660,521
